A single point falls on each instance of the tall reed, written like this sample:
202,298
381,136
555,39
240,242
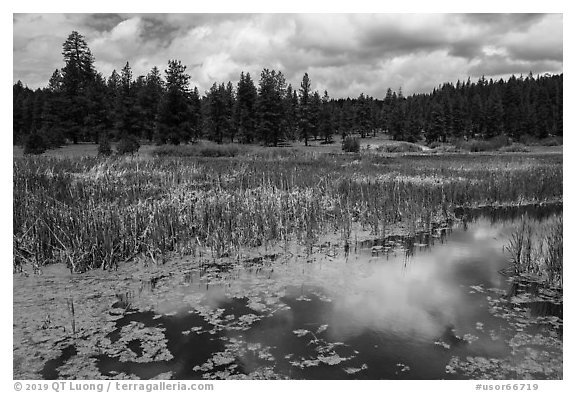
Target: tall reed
98,212
536,250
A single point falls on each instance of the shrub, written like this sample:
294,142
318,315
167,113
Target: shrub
551,141
528,140
219,151
479,145
434,145
53,136
447,149
514,147
128,145
104,148
175,151
201,150
412,138
499,141
400,147
351,145
35,144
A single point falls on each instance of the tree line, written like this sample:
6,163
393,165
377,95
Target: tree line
80,105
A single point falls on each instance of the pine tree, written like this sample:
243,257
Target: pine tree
559,114
79,104
18,127
315,109
413,129
55,83
28,110
245,109
78,75
387,108
217,120
35,144
104,147
50,116
271,92
294,102
195,114
127,114
230,130
494,117
97,119
477,116
290,113
448,112
349,117
397,118
148,99
544,113
458,122
78,71
174,110
326,125
113,82
435,129
304,111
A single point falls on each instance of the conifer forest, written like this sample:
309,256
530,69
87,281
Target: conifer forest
166,228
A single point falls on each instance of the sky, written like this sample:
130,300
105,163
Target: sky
345,54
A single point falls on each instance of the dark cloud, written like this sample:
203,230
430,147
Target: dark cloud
503,21
534,53
392,40
468,49
498,65
343,53
156,29
101,22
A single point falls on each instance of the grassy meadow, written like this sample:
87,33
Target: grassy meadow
95,212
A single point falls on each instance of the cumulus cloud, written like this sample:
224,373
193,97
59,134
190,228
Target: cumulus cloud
345,54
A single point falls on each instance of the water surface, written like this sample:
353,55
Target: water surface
435,306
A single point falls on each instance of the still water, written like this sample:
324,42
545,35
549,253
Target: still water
436,306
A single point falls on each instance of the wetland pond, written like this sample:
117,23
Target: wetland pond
439,305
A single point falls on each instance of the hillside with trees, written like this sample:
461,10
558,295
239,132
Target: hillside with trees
81,105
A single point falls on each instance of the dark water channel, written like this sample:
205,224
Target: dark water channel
398,308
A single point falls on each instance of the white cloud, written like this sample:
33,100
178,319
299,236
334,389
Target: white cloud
344,53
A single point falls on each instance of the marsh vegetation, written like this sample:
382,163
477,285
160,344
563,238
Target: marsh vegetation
428,306
99,212
264,230
277,263
536,250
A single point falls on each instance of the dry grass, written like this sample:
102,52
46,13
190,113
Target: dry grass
536,250
97,212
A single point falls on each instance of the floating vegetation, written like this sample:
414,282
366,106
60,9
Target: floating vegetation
301,332
442,344
226,363
348,315
355,370
402,367
152,341
469,338
325,351
528,363
534,340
